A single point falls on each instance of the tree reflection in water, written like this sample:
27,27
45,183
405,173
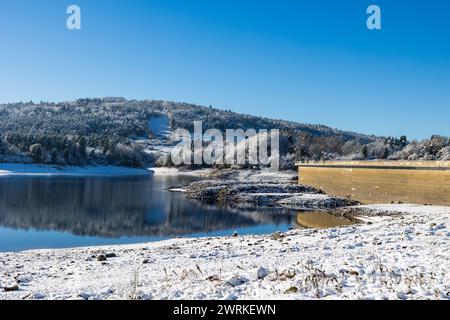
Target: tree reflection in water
117,207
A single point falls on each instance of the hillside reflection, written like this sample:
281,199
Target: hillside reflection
115,207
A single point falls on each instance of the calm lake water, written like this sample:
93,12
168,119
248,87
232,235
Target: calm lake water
51,212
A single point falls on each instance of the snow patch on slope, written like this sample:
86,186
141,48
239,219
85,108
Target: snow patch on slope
160,126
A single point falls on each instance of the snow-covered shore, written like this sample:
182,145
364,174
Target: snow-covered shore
248,175
18,169
403,253
171,171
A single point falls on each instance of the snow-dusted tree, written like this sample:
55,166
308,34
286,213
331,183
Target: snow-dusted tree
36,153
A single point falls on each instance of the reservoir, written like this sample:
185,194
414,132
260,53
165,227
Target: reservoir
58,212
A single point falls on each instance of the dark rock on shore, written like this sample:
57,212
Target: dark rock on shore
14,287
101,258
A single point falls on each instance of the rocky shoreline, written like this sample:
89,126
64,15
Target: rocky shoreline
254,194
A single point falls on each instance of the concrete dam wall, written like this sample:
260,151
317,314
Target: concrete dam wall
420,182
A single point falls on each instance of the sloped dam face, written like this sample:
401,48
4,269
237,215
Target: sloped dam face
419,182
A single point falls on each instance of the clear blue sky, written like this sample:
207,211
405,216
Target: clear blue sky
308,61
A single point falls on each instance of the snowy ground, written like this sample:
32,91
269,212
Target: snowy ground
233,174
160,126
8,169
171,171
395,256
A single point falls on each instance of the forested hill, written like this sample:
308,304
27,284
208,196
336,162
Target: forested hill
183,115
124,118
106,131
